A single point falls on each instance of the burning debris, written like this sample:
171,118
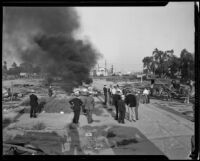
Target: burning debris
45,37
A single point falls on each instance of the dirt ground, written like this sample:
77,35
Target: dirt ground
158,131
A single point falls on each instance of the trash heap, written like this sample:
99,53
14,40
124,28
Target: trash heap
94,141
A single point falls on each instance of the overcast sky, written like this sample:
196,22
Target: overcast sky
125,35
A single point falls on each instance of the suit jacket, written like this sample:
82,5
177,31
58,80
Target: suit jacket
105,90
116,97
89,105
33,100
131,100
76,103
121,105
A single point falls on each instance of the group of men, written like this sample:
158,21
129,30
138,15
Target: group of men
126,102
84,103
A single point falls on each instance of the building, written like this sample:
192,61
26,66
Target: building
99,71
102,71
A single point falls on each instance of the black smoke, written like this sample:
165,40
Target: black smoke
44,36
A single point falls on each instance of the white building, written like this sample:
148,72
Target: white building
102,72
99,71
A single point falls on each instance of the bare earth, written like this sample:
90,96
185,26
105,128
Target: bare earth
157,132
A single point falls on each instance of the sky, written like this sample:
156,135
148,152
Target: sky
125,35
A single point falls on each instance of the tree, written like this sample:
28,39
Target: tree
187,65
147,61
161,61
165,63
174,66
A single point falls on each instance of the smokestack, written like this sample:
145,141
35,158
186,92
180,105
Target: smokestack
44,36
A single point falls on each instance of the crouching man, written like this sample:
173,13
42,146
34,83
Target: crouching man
76,104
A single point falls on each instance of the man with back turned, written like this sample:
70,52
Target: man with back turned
76,106
33,104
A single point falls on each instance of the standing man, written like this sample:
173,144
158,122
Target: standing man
116,97
76,106
113,91
50,91
84,99
89,107
33,104
110,95
152,87
105,91
145,94
118,89
122,109
9,93
130,100
137,104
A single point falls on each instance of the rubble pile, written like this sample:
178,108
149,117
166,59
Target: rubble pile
95,139
57,105
47,142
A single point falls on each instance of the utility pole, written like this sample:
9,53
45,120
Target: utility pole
112,69
105,68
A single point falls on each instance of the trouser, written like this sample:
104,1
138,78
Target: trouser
110,99
105,96
151,91
136,112
113,100
127,112
117,110
122,115
33,111
76,116
83,109
89,116
145,98
131,113
148,99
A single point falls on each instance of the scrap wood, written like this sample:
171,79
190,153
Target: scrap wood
20,147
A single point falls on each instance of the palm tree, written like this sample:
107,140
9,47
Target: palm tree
147,61
187,64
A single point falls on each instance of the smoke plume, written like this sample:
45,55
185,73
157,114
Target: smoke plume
44,36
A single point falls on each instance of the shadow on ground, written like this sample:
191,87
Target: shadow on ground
130,141
50,142
125,140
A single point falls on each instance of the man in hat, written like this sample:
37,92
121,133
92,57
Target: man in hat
105,91
122,109
50,91
76,106
33,104
113,92
130,101
110,95
84,100
116,97
89,107
146,95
